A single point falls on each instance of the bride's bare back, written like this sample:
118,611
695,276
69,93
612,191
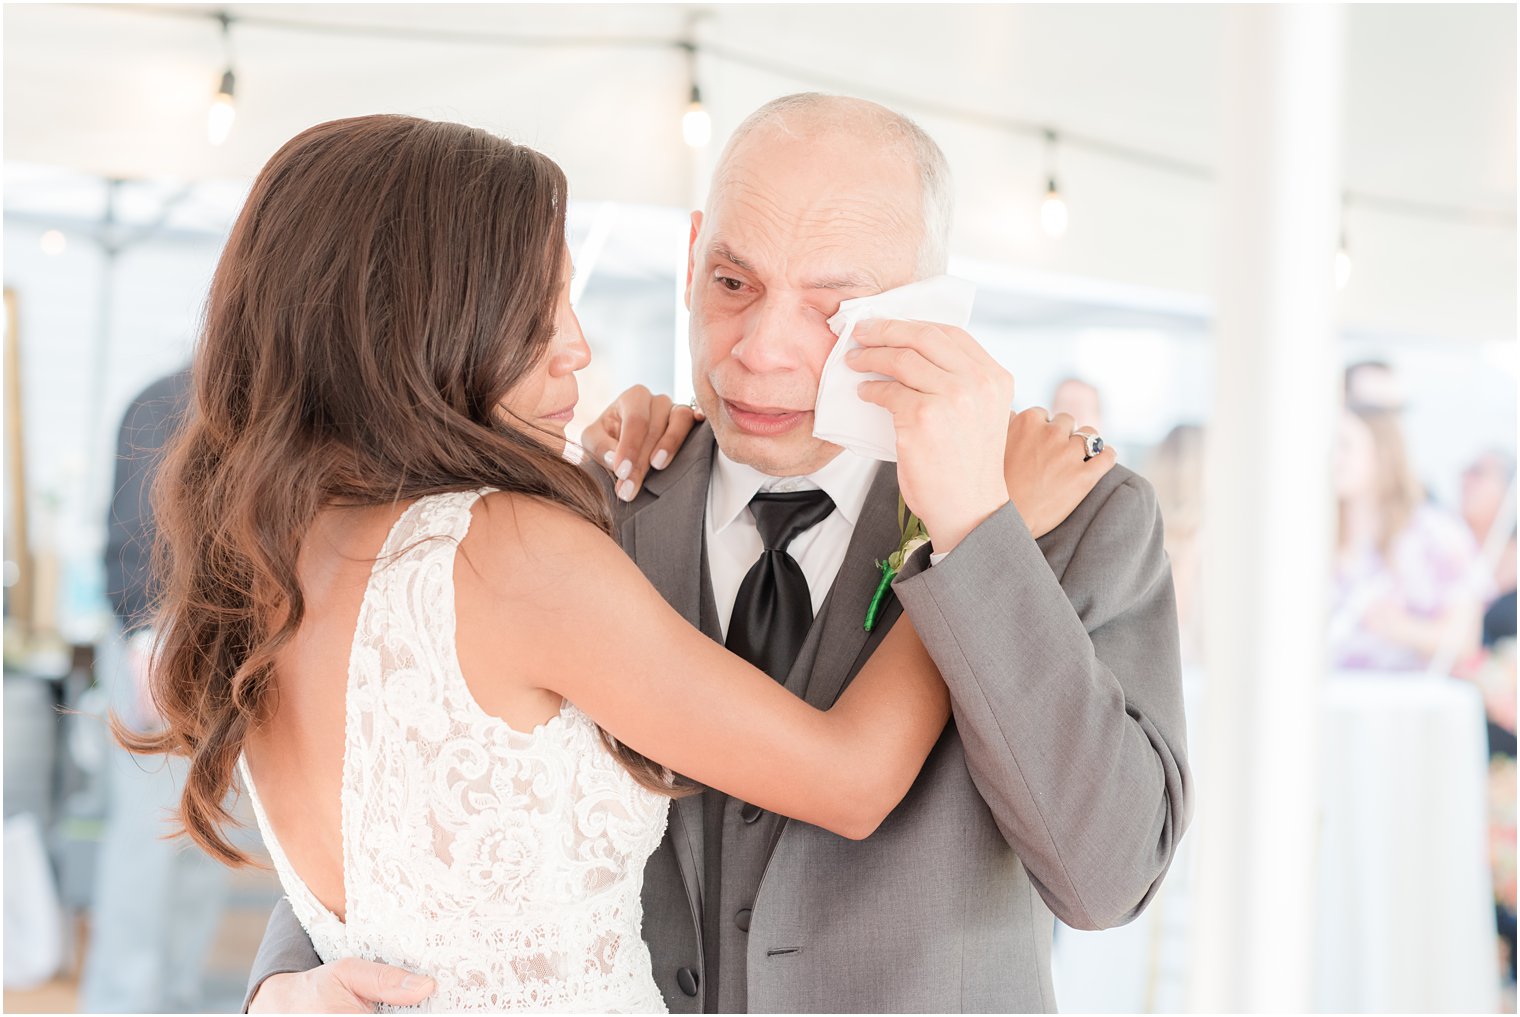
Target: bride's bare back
297,757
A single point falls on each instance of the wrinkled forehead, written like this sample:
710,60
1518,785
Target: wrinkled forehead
794,217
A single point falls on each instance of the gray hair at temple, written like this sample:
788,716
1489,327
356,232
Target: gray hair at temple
820,109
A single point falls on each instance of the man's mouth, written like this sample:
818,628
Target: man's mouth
762,420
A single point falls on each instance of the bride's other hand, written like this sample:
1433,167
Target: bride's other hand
349,985
639,431
1046,476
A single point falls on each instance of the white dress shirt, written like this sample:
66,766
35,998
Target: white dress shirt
734,544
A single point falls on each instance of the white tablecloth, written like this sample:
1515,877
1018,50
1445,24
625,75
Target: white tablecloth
1407,919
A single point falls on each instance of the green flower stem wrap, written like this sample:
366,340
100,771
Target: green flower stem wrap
880,596
913,537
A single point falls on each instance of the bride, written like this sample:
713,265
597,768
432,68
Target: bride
393,613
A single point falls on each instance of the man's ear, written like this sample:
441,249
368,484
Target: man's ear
691,253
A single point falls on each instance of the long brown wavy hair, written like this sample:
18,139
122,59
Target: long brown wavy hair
1399,491
387,282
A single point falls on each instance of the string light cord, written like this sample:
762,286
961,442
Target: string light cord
1135,155
408,33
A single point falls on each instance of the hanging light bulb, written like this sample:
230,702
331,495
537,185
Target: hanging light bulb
223,112
696,125
219,118
54,243
1342,251
1053,213
1053,216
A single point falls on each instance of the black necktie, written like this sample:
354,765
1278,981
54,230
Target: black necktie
774,609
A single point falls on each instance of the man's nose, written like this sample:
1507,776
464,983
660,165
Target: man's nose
774,334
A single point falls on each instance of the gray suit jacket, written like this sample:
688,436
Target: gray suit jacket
1061,784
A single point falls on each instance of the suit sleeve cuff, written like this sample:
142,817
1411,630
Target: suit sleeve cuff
990,535
253,989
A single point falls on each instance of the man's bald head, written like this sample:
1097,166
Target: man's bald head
816,200
806,115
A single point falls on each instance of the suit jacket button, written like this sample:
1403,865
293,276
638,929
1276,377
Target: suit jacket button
749,813
742,919
686,978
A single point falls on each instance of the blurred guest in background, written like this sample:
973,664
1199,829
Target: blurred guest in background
1175,469
1404,591
1486,487
1374,385
1488,512
157,901
1081,400
1496,677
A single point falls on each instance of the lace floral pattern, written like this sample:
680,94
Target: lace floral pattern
506,864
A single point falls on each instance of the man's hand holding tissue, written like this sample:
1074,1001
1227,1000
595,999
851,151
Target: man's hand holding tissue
949,402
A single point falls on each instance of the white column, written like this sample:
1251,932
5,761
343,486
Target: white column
702,161
681,389
1269,511
701,171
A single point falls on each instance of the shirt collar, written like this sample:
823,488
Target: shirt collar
846,479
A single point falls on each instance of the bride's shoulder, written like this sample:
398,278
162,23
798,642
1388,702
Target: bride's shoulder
523,538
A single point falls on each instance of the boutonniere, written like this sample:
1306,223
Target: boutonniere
913,537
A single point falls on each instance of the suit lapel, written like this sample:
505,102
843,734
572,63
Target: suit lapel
656,531
840,629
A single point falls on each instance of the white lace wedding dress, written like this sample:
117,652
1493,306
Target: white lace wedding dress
505,864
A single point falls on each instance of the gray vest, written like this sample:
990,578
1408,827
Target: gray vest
739,837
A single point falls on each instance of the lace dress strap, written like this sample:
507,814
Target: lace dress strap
437,515
403,652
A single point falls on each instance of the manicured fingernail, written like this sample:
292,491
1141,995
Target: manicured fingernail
416,982
660,459
624,468
625,490
863,327
853,353
609,460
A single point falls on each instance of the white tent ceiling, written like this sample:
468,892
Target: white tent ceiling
1429,114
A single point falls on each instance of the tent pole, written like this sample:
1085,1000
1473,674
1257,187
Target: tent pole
1270,526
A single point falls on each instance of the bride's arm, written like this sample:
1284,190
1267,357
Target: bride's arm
588,626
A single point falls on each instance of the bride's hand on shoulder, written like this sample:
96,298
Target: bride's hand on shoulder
639,431
1047,477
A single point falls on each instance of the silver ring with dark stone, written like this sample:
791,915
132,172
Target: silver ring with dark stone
1092,444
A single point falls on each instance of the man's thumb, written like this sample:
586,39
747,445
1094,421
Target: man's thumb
381,983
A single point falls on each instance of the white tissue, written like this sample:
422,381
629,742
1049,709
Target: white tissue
840,415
